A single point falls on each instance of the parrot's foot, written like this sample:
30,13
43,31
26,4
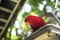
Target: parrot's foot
49,34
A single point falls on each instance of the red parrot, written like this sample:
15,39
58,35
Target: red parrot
35,22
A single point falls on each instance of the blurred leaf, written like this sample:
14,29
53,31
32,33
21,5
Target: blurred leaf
34,2
59,5
47,19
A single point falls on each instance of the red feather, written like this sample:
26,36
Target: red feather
35,22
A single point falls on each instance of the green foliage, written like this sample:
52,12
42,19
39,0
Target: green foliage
34,3
59,5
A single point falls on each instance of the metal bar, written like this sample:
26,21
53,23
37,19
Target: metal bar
11,15
14,0
1,27
3,20
56,18
5,9
41,31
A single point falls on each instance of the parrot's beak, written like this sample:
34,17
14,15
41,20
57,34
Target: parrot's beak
27,23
